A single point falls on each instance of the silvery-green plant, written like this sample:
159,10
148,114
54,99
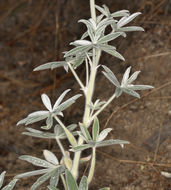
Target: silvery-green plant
87,50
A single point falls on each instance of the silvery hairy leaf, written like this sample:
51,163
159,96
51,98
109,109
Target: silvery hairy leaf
83,183
59,100
66,104
97,104
105,11
125,20
37,161
125,85
48,115
103,134
55,178
32,173
102,10
85,35
46,101
50,157
109,37
78,50
71,183
110,76
131,29
105,188
2,176
50,187
81,147
60,133
102,26
85,132
110,142
39,134
126,76
51,65
120,13
81,43
95,129
113,53
11,185
42,179
90,28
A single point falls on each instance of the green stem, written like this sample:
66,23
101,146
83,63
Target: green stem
61,147
76,76
92,166
88,95
93,11
102,108
69,135
64,182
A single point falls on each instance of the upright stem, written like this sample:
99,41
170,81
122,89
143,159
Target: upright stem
88,94
93,11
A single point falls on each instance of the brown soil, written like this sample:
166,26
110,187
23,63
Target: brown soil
35,32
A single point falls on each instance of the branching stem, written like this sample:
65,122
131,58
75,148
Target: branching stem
102,108
76,76
61,147
88,94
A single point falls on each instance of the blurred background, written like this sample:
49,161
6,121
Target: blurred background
33,32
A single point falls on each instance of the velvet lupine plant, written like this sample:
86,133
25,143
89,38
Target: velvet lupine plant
86,134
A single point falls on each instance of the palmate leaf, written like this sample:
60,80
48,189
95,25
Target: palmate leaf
48,115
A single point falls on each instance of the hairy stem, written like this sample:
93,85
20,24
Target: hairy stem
76,76
61,147
88,94
64,182
93,11
102,108
92,166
